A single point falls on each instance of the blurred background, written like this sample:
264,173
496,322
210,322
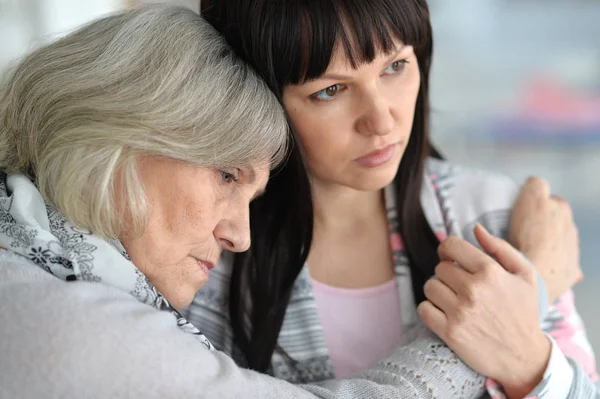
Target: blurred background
515,88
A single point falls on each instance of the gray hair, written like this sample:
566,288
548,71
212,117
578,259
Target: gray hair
76,114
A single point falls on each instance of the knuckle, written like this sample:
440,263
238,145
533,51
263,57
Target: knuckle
533,179
487,270
566,207
530,276
442,247
442,268
454,333
470,293
563,205
448,245
451,241
428,287
538,184
425,313
458,326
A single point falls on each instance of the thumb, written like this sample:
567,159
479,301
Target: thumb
508,257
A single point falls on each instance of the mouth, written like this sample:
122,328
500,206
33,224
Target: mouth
205,265
378,157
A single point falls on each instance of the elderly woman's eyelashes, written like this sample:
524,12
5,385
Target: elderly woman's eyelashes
228,177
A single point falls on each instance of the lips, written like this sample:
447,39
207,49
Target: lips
378,157
205,265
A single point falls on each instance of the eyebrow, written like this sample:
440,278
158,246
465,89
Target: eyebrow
335,76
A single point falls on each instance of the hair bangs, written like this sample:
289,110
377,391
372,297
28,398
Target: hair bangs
310,32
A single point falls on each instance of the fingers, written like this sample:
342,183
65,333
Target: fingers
503,252
536,191
432,317
452,275
533,195
473,260
469,257
557,198
563,206
536,187
440,295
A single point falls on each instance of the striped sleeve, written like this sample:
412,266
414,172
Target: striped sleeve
566,327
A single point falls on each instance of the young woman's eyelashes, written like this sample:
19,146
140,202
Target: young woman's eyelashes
329,93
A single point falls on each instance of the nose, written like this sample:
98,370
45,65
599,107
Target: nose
233,232
377,116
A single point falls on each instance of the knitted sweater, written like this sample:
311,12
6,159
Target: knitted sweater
88,340
454,199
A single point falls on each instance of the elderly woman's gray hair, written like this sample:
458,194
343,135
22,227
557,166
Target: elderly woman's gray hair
76,114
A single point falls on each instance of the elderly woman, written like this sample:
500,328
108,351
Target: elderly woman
130,151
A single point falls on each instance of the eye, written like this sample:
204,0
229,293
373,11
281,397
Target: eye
229,177
328,93
395,67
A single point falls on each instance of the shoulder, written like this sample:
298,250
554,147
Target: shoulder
27,292
452,176
81,339
16,269
469,195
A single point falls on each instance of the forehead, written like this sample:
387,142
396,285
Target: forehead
340,60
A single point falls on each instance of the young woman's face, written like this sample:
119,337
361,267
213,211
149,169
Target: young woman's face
354,124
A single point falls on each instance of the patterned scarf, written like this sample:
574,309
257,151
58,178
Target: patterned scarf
38,231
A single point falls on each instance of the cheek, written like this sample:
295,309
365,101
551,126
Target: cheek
415,85
323,135
405,103
196,219
186,220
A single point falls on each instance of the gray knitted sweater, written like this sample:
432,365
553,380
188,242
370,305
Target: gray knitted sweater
88,340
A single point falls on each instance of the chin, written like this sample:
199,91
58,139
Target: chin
375,179
372,184
183,296
179,301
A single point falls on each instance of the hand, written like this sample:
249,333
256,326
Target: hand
488,313
542,228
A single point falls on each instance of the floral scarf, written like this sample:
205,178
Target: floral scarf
38,231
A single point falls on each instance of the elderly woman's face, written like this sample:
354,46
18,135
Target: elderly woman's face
194,213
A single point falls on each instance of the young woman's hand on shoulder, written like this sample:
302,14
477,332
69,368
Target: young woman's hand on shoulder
486,310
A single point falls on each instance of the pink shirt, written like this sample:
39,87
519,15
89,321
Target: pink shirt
361,326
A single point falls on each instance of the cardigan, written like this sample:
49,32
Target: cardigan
454,199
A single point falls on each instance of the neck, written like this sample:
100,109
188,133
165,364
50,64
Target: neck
342,207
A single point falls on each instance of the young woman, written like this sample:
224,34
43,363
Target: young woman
342,249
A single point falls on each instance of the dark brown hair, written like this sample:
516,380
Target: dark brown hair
289,42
